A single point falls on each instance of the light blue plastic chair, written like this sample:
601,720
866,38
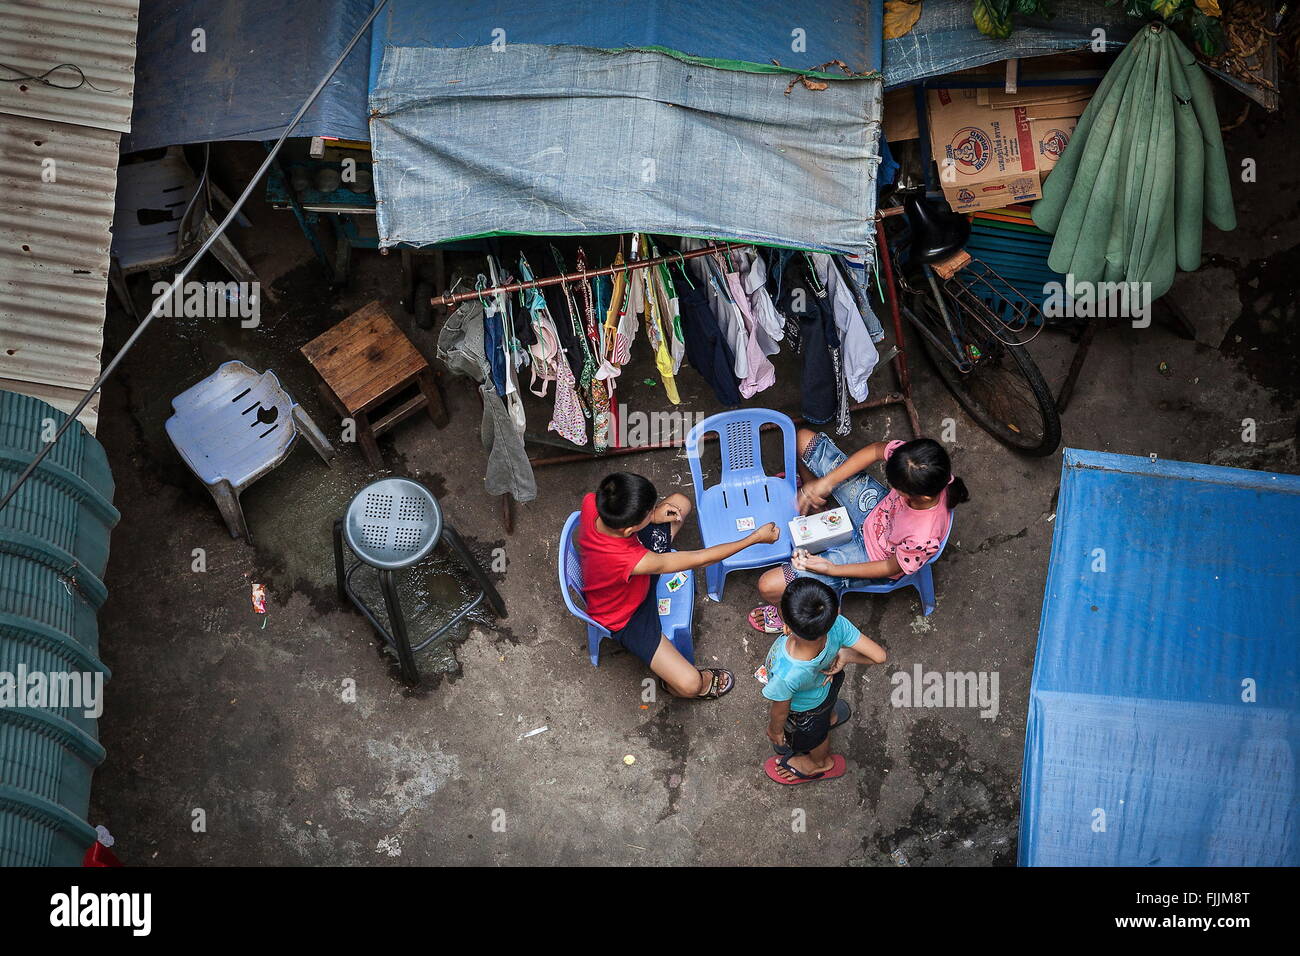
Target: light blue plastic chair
745,497
235,426
676,624
922,580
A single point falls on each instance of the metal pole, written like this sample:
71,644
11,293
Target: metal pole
180,278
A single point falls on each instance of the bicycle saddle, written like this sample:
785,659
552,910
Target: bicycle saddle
937,231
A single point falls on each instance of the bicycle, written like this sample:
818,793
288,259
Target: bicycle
973,325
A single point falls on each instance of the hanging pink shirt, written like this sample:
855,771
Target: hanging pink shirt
895,530
762,374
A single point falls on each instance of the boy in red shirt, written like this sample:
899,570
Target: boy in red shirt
624,542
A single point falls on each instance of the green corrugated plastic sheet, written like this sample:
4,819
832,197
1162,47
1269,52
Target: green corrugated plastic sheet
53,550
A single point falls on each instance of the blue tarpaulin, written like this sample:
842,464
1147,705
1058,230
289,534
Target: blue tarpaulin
735,32
945,38
597,118
1164,711
260,60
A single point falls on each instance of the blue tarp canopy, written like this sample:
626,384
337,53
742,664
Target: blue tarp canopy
739,33
592,117
945,38
1163,725
548,116
260,60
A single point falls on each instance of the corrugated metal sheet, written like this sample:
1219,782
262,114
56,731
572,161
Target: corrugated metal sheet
54,244
98,37
58,177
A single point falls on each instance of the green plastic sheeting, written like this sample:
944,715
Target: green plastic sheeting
1145,166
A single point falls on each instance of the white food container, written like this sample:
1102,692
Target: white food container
818,532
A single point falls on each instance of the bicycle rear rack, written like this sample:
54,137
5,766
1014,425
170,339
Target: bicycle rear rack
993,302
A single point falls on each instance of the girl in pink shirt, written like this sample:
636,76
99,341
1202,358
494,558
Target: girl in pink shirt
895,529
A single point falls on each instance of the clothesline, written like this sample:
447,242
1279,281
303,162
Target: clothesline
451,299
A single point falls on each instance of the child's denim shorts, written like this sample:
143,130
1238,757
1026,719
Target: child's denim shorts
858,495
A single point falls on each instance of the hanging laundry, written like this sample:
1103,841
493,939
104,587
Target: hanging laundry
545,350
857,351
600,398
607,371
462,347
762,374
670,309
574,329
854,268
620,320
492,337
824,395
659,341
706,347
512,353
769,324
728,317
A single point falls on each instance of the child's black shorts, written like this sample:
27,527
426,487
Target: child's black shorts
641,633
806,729
657,537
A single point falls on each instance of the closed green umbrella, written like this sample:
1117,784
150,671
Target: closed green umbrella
1144,168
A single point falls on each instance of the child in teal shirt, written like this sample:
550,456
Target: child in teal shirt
802,677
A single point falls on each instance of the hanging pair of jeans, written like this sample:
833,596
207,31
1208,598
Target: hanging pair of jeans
706,348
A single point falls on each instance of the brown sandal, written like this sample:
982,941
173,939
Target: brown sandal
714,691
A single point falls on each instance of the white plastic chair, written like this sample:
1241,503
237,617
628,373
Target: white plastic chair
235,426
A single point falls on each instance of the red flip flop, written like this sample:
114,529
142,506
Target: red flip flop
839,765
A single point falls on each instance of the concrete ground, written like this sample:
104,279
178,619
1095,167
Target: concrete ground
232,738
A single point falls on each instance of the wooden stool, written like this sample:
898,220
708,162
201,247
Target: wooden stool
372,374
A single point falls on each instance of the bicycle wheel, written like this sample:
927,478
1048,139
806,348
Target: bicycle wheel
1003,391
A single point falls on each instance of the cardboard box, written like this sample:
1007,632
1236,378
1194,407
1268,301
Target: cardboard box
900,115
1039,100
821,531
992,156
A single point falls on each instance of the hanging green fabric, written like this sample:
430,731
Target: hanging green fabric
1144,168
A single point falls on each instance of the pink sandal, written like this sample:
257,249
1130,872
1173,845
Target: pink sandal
766,619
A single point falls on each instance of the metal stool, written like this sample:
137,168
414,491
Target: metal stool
393,524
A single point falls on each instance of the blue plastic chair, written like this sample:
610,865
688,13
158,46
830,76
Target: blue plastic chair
922,580
745,497
676,624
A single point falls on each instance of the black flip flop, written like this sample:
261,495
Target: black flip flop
841,715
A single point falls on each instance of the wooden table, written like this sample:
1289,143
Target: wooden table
372,374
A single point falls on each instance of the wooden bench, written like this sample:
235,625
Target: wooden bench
372,373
